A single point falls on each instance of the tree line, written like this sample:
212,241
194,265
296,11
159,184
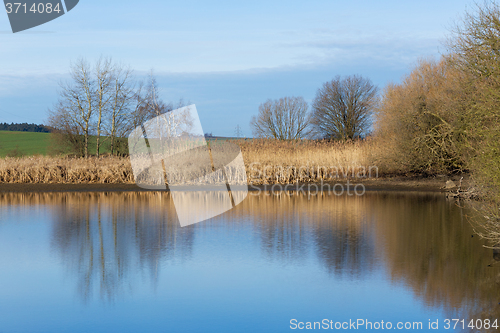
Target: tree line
100,104
25,127
342,110
444,117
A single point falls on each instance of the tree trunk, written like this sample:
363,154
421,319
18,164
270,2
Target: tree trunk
113,134
87,143
98,134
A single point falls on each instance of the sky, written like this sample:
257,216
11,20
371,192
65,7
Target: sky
227,57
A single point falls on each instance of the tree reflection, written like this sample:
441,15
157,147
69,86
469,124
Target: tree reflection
106,239
280,226
109,241
422,240
428,244
291,225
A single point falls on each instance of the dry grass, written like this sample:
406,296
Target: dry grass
271,161
44,169
266,161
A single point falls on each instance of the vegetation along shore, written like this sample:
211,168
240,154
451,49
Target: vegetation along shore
442,121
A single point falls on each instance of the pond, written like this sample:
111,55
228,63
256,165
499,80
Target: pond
120,262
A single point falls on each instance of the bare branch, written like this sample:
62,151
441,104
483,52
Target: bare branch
283,119
343,108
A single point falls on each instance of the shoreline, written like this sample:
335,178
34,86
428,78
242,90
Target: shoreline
408,184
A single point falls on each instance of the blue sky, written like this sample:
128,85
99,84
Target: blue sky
227,57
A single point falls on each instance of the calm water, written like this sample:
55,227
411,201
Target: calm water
119,262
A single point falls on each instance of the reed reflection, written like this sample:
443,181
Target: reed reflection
428,244
421,241
292,226
108,240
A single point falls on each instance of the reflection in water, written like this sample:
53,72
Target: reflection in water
428,244
291,225
105,238
196,206
421,240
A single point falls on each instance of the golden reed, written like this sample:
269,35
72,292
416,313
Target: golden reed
267,162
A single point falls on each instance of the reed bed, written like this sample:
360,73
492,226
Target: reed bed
65,170
266,162
286,162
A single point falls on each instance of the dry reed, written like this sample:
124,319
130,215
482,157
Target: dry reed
266,161
65,170
284,162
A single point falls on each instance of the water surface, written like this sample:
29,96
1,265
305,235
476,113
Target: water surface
120,262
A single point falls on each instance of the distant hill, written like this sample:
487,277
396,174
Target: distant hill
17,144
25,127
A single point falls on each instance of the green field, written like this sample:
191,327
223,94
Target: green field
23,143
16,144
29,143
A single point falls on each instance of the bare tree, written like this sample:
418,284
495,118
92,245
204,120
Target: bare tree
103,72
475,47
97,99
283,119
154,104
75,109
139,114
148,103
120,116
475,41
168,124
342,108
103,99
68,135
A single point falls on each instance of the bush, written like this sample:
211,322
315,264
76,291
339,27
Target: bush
420,121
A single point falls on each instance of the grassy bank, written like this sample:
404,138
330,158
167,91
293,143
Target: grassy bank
19,144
